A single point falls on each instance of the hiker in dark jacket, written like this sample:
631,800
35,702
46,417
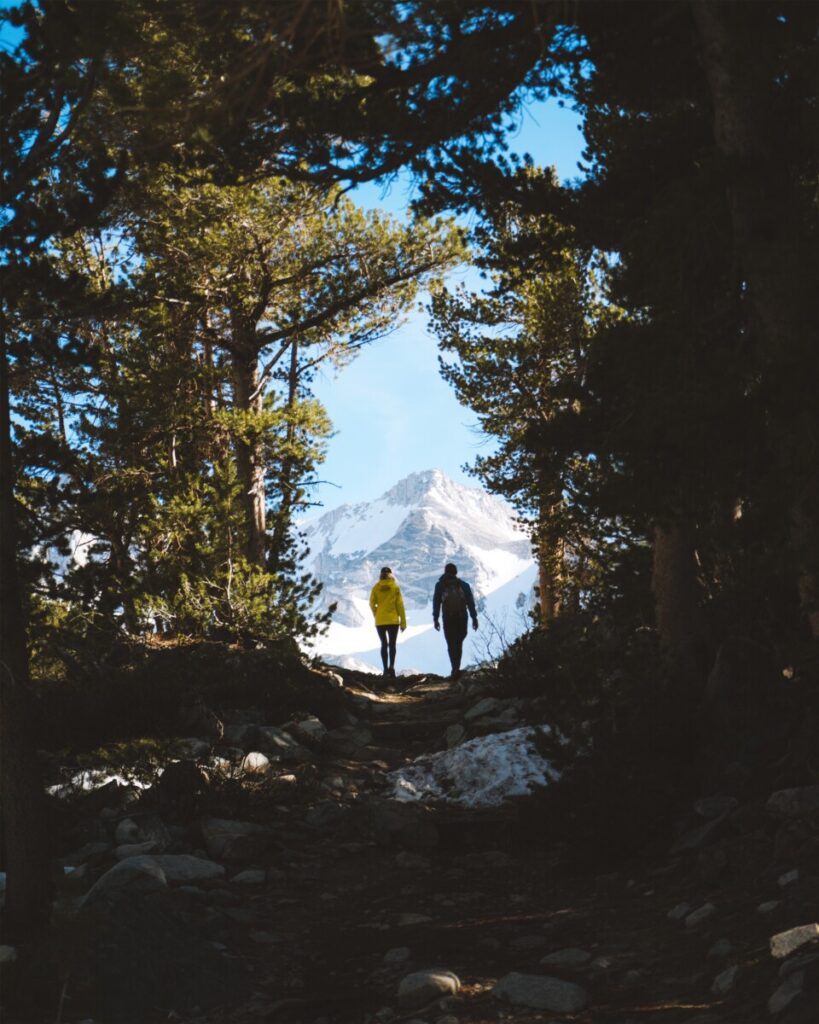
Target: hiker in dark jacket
454,598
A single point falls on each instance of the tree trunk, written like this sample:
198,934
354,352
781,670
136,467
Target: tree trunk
23,833
548,598
288,485
676,600
248,445
774,247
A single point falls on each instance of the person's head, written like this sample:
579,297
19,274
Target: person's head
386,572
451,569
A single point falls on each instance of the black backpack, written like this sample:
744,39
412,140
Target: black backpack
453,598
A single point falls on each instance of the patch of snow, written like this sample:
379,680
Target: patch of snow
91,779
483,772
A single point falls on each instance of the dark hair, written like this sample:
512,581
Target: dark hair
451,568
386,569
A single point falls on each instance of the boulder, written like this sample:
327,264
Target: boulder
787,942
184,868
417,990
484,707
541,992
279,744
136,874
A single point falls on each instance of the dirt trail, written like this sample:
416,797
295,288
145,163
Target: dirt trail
349,917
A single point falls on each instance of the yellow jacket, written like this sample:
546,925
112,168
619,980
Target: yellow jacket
387,604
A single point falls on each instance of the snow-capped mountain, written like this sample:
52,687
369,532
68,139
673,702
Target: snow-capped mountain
420,524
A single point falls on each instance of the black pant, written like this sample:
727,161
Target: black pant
388,633
455,628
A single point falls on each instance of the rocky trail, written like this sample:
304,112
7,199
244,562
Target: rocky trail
306,892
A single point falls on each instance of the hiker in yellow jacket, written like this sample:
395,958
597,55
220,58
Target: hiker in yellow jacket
388,608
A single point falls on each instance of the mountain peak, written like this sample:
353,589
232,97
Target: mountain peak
416,486
416,527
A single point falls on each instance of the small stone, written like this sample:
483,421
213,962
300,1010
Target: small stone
768,907
721,950
397,955
447,1019
787,942
788,878
725,982
409,919
252,876
701,914
570,957
256,763
541,992
679,912
8,954
790,989
422,987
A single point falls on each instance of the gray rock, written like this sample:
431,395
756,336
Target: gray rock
8,954
126,832
698,837
768,907
417,990
797,963
137,874
251,876
570,957
788,878
679,912
230,840
721,950
791,988
184,868
700,915
792,803
397,955
280,745
725,981
454,735
541,992
787,942
309,729
487,706
135,849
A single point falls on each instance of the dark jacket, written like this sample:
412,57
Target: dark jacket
436,598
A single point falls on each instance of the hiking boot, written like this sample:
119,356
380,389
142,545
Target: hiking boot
391,673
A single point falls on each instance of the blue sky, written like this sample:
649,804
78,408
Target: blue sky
392,412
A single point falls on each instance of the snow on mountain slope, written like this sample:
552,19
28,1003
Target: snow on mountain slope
420,524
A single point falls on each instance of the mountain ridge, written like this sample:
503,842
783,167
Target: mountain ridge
418,525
